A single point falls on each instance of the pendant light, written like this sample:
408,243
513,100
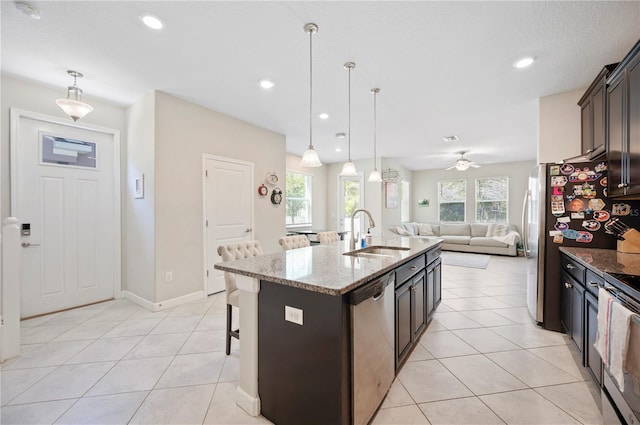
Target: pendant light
310,157
349,168
375,176
73,105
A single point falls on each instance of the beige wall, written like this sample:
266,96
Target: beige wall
319,190
559,126
139,214
183,133
391,216
425,186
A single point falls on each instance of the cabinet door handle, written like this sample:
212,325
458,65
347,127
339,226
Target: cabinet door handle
593,283
568,285
622,185
570,266
412,268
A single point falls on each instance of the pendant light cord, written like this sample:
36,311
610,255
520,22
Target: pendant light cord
375,127
310,89
349,117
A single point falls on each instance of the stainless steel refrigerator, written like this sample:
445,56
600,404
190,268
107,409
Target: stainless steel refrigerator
565,205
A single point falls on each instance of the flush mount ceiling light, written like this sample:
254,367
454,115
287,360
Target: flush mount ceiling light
349,168
524,62
73,105
449,139
310,157
152,21
28,9
266,84
375,176
323,116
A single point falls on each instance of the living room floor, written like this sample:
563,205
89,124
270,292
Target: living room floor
481,361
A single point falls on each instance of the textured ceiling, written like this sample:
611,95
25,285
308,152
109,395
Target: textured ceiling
443,67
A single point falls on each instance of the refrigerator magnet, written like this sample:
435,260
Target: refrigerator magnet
554,170
560,226
567,169
558,239
601,215
576,205
591,225
600,167
557,181
603,182
570,234
577,215
588,191
596,204
620,209
584,237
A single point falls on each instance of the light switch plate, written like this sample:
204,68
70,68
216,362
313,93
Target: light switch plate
293,315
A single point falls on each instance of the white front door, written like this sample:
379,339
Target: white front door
228,203
65,189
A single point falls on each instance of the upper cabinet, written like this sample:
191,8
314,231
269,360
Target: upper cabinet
593,109
623,127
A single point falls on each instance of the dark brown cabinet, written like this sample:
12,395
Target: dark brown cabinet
623,128
418,293
577,315
411,319
593,107
434,287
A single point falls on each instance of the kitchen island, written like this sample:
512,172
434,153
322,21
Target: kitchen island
296,350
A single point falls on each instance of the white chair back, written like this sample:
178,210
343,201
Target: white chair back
237,251
328,237
293,242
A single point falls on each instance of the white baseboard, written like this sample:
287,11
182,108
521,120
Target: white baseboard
149,305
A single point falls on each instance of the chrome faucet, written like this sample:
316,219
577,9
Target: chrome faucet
352,242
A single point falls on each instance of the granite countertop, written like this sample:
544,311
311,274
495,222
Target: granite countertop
324,268
603,261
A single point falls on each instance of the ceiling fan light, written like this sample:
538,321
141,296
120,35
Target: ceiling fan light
310,158
349,169
462,166
375,177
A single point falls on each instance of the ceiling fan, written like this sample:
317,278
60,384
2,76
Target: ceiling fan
463,163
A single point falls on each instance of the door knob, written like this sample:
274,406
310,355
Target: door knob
248,229
28,244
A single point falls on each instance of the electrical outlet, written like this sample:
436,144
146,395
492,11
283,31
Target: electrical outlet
168,276
293,315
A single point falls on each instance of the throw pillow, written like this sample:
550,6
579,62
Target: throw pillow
403,232
424,229
495,229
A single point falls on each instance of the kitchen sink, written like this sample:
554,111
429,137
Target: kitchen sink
378,251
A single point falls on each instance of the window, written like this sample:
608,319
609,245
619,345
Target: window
492,199
451,200
298,196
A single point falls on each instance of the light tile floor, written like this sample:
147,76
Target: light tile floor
481,361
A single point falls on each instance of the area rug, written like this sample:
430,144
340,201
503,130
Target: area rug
463,259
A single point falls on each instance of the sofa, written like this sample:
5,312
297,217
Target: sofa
484,238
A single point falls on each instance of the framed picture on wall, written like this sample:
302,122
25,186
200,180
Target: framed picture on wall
391,195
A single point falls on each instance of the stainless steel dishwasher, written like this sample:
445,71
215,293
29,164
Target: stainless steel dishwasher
372,326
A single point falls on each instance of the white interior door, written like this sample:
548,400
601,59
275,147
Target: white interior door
350,198
228,211
65,186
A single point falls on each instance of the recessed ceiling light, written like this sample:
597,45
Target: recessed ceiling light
453,138
267,84
338,149
341,136
152,22
28,9
524,62
323,116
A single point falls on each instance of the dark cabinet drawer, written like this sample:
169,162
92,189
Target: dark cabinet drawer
433,255
407,270
592,281
573,268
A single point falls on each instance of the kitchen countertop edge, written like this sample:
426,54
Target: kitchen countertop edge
601,261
